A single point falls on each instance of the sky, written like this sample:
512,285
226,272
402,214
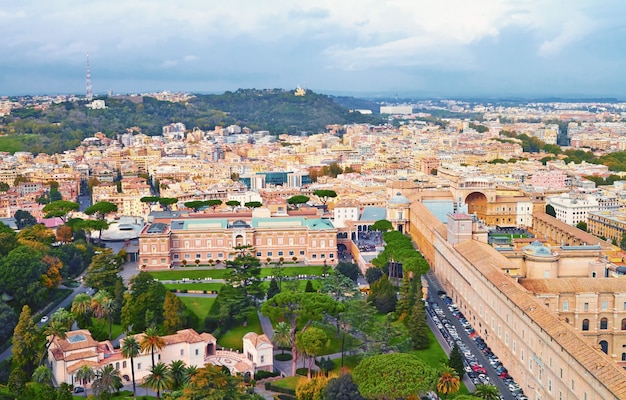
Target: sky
420,48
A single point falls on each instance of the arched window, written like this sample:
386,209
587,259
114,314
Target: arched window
624,324
604,322
604,345
585,324
623,356
123,364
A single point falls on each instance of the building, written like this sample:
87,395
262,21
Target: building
212,237
345,210
573,208
611,225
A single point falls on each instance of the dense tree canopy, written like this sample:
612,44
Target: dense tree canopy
393,376
20,276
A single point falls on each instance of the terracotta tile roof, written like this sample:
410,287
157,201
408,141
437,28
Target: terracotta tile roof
428,219
573,231
575,285
74,367
183,336
488,262
256,339
66,345
79,355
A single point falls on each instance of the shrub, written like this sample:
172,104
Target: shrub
265,374
283,357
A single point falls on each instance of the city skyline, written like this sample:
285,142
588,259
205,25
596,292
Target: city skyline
448,48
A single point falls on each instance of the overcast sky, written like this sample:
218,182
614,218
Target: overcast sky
440,48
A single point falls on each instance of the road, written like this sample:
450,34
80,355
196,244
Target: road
433,287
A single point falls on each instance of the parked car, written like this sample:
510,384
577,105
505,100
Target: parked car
79,389
44,319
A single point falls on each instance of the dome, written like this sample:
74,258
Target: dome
399,199
536,248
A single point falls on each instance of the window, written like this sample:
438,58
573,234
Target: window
585,324
123,364
198,256
604,322
291,253
262,359
301,252
280,253
175,256
187,256
565,305
258,254
209,255
550,385
182,352
522,354
314,256
586,307
117,365
331,255
604,305
196,351
572,384
220,255
138,365
624,324
604,346
270,253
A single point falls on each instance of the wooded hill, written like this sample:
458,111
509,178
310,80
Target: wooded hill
63,126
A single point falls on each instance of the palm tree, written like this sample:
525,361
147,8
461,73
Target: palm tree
282,335
53,330
159,379
449,381
84,375
42,375
487,392
150,341
178,371
81,305
107,380
131,349
190,372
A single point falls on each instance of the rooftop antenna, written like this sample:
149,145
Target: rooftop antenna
89,90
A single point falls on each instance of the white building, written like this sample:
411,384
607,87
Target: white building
345,210
573,208
525,213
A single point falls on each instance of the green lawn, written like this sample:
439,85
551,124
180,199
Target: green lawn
434,355
100,329
293,271
232,339
200,306
288,383
194,286
301,284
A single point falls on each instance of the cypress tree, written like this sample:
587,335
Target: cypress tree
456,360
273,289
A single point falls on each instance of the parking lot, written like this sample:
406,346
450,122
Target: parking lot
482,366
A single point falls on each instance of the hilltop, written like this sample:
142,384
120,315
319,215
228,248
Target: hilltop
63,126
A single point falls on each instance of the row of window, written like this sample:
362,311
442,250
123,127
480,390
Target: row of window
604,323
604,305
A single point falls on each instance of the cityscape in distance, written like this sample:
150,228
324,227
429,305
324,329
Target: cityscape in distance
393,201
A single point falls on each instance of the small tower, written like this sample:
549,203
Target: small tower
89,90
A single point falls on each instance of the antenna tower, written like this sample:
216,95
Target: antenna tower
89,91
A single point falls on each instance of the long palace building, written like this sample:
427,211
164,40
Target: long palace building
213,237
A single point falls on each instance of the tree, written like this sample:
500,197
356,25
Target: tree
4,187
233,203
392,376
550,210
102,306
273,289
487,392
342,388
309,287
311,342
324,195
81,307
60,209
448,381
298,200
107,380
8,320
64,234
195,205
42,375
372,274
381,225
36,237
282,335
253,204
167,202
582,225
101,209
211,382
245,271
151,341
131,349
173,311
159,379
312,389
213,203
24,219
456,360
144,306
54,329
102,272
299,309
178,373
8,240
350,270
84,375
383,295
21,271
417,326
